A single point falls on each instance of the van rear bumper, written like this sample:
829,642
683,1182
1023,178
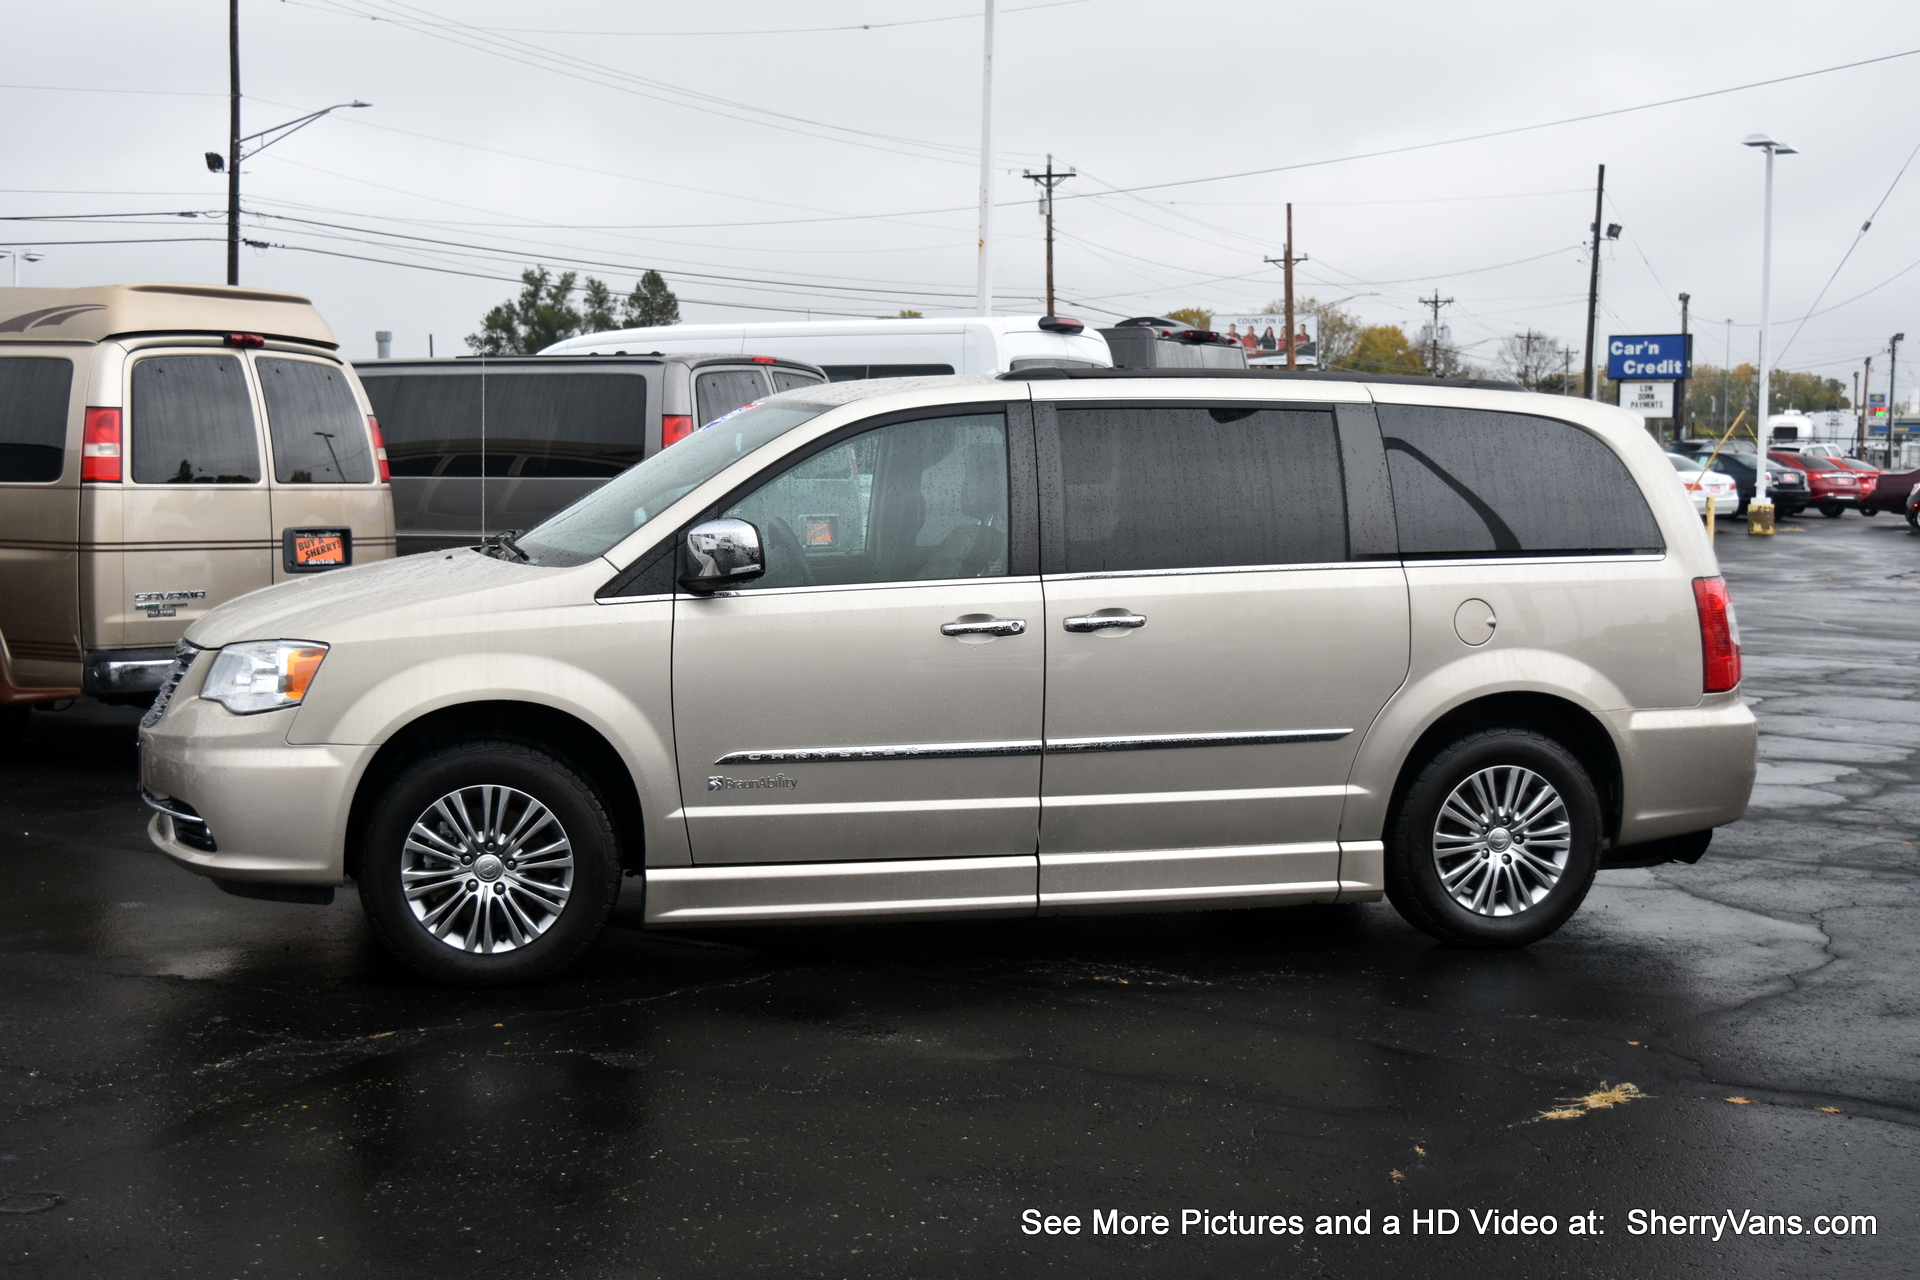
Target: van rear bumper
126,674
1684,769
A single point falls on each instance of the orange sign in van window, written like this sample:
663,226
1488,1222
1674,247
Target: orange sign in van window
312,550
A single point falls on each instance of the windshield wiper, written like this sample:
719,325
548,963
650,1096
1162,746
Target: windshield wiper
496,543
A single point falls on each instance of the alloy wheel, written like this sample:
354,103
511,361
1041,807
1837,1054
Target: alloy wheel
1501,841
487,869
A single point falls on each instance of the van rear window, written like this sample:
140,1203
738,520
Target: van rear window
33,418
555,425
318,434
193,422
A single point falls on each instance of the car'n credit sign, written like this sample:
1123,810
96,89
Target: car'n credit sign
1648,355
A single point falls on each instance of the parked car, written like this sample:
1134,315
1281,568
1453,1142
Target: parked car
1890,491
163,449
1832,487
484,446
1869,477
858,349
808,665
1701,484
1786,486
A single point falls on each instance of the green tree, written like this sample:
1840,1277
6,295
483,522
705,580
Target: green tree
597,307
650,303
1194,316
1714,394
1383,348
538,318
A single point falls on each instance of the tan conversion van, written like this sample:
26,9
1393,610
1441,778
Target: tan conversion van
163,449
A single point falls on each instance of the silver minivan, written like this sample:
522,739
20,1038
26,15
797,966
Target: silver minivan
1055,641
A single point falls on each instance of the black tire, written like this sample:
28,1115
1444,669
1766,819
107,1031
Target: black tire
517,935
1791,511
1913,517
1832,510
1414,834
1869,511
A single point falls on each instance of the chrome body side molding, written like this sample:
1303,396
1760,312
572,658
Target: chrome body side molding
697,896
1172,741
963,750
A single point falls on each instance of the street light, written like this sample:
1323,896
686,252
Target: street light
16,255
1763,433
1893,368
230,165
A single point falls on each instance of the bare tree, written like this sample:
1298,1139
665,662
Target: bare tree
1529,357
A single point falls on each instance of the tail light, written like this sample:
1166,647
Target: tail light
675,427
1719,635
245,340
1061,324
379,449
764,359
100,446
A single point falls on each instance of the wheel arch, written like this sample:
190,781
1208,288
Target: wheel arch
573,740
1566,722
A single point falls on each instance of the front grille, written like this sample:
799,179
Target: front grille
183,656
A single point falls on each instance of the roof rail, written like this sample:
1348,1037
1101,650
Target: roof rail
1298,375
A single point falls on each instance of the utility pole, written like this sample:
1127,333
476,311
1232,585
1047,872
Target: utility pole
1434,331
1048,181
1866,410
1285,262
233,143
1680,386
1893,373
1860,433
983,276
1589,385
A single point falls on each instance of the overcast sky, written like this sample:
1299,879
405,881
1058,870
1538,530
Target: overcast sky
767,170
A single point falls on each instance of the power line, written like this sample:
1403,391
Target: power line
1858,236
775,31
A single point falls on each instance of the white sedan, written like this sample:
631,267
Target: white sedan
1701,484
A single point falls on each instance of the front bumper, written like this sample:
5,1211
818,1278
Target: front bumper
269,812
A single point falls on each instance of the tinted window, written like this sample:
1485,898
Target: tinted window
788,379
193,422
916,501
1467,482
318,434
33,418
719,393
855,372
1200,488
531,424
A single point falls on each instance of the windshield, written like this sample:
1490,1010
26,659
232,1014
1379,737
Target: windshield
595,524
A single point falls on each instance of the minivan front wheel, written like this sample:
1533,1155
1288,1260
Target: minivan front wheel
489,861
1496,841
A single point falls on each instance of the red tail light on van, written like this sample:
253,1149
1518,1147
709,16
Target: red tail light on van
675,427
1719,635
379,449
100,446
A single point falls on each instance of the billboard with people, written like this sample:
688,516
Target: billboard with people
1265,337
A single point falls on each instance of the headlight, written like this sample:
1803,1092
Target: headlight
261,675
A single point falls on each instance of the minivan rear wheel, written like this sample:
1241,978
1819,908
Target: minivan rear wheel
1496,842
488,862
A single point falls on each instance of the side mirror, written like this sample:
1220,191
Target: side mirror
721,554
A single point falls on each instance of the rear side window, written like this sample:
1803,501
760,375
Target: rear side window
318,434
1200,488
572,425
33,418
720,392
1472,483
788,379
193,422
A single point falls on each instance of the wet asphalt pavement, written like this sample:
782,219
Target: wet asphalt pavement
197,1085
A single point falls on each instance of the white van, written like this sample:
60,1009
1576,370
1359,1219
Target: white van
853,349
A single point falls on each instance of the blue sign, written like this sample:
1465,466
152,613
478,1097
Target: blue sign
1644,357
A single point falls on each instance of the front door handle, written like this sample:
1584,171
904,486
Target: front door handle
991,627
1105,621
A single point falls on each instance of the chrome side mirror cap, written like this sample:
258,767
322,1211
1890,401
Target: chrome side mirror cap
721,554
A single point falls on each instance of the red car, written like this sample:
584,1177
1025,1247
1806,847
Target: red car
1833,487
1869,477
1890,492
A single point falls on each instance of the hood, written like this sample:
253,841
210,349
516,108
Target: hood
321,606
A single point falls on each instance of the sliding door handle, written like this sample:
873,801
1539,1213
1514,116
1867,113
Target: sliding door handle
1106,622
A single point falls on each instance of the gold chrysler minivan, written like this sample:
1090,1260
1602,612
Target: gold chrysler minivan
1053,641
163,449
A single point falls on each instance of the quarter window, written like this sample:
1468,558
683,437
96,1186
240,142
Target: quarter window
1183,488
788,379
33,418
318,434
912,502
1471,483
719,393
193,422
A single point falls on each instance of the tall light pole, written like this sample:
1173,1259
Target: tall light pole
16,255
1763,396
1893,369
983,281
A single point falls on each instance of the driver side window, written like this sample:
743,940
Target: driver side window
912,502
